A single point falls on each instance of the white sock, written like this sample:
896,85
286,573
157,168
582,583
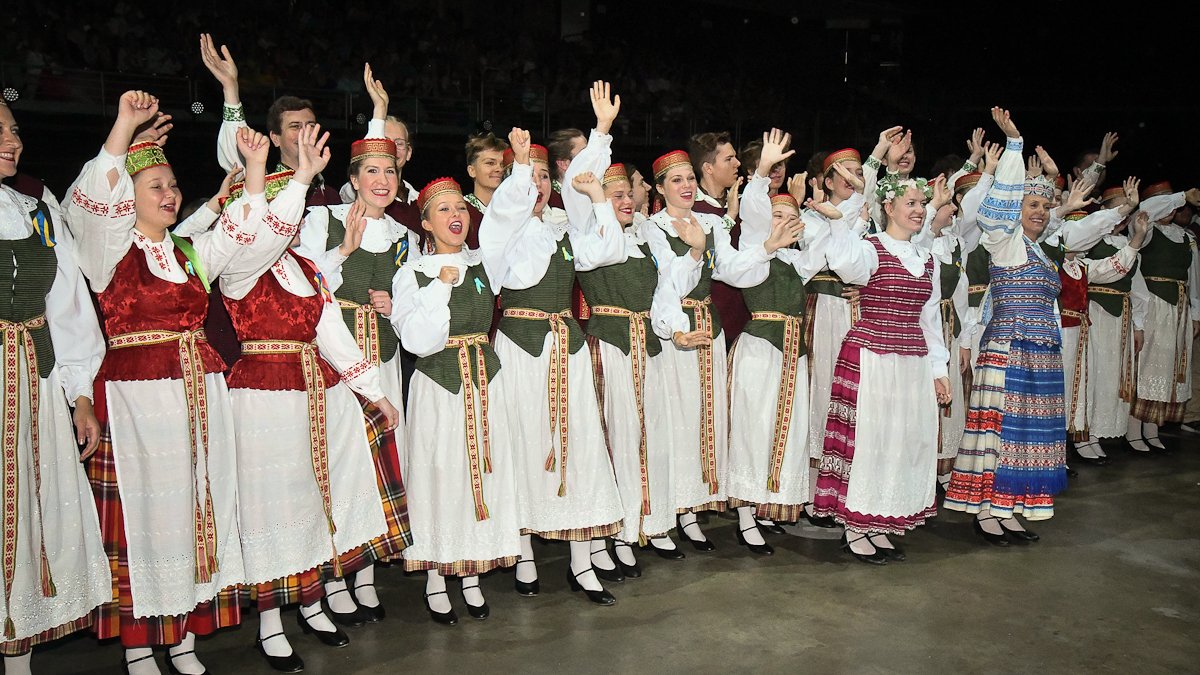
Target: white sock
143,667
765,522
625,553
690,529
186,661
270,633
860,543
471,591
435,592
581,566
600,557
1150,434
749,529
880,540
1095,443
1087,449
944,479
988,523
18,665
364,587
666,543
316,618
1012,524
1133,434
341,603
526,568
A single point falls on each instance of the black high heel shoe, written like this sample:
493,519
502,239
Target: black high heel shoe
352,619
894,553
292,663
1020,536
875,558
758,549
666,553
526,588
335,638
613,574
993,539
773,527
482,611
444,618
371,614
825,522
702,545
600,597
631,571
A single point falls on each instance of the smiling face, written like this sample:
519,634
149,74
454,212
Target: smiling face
839,188
620,193
905,214
723,170
376,182
488,169
679,187
1035,214
784,214
10,143
641,189
447,220
541,180
288,140
907,161
156,198
397,132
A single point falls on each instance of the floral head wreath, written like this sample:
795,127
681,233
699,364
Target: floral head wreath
891,186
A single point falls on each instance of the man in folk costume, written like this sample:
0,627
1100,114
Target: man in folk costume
561,148
715,162
1170,275
485,166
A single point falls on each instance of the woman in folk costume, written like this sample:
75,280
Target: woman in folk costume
1170,280
828,314
164,476
767,475
881,432
1014,462
306,479
463,501
565,483
630,386
54,568
692,249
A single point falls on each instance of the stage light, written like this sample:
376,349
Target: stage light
197,108
360,119
11,94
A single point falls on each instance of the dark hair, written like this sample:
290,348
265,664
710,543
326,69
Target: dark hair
946,166
488,141
750,154
353,169
558,146
285,104
1081,158
702,148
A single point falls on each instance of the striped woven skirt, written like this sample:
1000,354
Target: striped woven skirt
1013,458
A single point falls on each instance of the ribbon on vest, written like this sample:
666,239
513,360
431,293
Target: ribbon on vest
366,329
1183,334
17,334
637,358
1128,379
463,343
556,380
192,368
708,427
793,330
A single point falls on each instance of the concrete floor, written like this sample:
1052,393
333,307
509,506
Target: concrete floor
1114,586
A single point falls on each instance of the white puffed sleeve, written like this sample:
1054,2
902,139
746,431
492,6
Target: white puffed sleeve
227,148
931,327
737,267
594,157
200,221
421,315
101,217
1000,211
516,246
677,276
852,258
241,253
1113,268
338,347
599,243
1083,234
71,316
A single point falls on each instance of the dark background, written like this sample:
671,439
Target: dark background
833,74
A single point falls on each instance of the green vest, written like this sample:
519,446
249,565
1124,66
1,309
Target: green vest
1113,304
979,275
629,285
24,289
361,272
703,287
783,292
951,272
826,283
1165,259
551,294
471,304
1056,254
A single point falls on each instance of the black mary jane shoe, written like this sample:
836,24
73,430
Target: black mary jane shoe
630,571
702,545
352,619
825,522
1128,447
444,618
876,558
482,611
993,539
1021,536
615,575
292,663
600,597
894,553
757,549
1155,450
665,553
773,527
371,614
335,638
1094,461
526,588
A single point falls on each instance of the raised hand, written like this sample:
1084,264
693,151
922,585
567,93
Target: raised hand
605,106
1003,119
379,95
232,176
253,146
941,193
1033,167
691,233
222,66
991,154
900,144
733,199
155,131
824,208
1192,197
797,186
448,275
1132,195
519,140
314,155
1077,197
691,340
1048,165
136,108
1138,229
975,146
1107,154
356,225
885,141
818,190
585,183
784,233
851,178
774,151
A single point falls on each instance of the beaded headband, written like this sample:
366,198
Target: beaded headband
615,174
839,156
669,161
436,187
1039,186
366,148
143,156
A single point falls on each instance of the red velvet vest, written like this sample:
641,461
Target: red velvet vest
728,300
1073,298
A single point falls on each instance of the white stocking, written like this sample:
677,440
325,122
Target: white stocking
526,569
1150,433
270,633
746,524
18,665
472,594
690,529
364,587
316,618
581,566
600,557
137,663
1133,434
435,592
625,553
341,603
183,656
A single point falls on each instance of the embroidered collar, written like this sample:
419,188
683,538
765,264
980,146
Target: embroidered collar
431,265
707,198
474,201
556,220
380,234
160,257
1172,231
664,221
15,208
